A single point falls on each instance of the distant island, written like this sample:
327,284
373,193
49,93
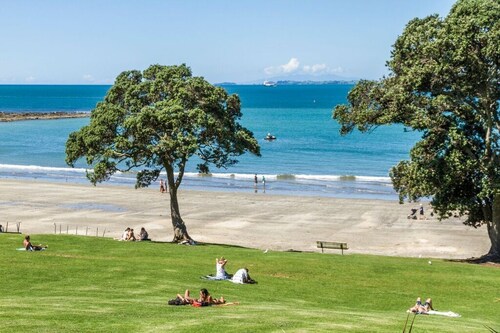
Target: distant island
17,116
291,83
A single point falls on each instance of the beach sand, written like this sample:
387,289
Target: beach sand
255,220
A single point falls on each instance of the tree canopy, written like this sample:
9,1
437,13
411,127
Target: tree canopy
154,121
443,81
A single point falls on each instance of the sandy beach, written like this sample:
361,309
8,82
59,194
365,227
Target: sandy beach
256,220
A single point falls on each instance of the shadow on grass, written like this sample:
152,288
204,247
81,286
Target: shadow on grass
486,260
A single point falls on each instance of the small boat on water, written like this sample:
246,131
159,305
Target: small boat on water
269,83
270,137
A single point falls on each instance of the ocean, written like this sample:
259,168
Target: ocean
309,156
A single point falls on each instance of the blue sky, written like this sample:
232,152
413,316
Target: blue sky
92,41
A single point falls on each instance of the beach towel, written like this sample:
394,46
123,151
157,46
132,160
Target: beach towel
214,278
439,313
443,313
23,249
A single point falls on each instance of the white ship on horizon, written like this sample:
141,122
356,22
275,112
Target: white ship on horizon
269,83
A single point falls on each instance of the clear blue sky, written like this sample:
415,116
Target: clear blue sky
92,41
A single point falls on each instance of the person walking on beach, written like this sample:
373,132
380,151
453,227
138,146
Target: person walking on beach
162,186
255,180
264,181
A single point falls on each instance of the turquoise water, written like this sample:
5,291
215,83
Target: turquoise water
309,157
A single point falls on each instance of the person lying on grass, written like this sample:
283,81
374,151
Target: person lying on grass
204,299
30,247
242,276
422,308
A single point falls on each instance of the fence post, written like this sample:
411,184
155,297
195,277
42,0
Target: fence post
18,225
7,227
97,232
77,230
67,229
86,231
103,232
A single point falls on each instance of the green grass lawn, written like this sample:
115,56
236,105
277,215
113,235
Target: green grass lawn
88,284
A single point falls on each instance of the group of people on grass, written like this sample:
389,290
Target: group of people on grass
241,276
422,308
129,235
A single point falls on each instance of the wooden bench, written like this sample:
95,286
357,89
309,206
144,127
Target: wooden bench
332,245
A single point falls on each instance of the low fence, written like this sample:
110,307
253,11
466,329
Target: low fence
6,229
79,230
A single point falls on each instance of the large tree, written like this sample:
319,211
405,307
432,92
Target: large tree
156,121
443,81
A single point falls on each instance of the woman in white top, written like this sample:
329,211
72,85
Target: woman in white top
241,276
221,273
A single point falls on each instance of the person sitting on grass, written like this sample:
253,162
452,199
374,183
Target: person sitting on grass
204,299
143,235
422,308
125,234
30,247
220,271
131,236
242,276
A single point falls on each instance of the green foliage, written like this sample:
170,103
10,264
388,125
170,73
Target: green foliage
444,82
157,120
88,284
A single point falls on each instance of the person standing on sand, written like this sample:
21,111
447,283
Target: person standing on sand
255,180
162,186
422,215
263,181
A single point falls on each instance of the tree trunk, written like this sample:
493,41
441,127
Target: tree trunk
180,230
494,228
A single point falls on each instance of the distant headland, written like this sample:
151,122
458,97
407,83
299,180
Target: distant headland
17,116
291,83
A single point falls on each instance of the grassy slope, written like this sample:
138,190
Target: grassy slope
93,284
